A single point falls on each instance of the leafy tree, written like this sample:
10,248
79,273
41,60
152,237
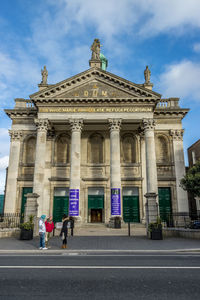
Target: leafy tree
191,181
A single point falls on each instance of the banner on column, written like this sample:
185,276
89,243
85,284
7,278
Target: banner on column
115,202
74,202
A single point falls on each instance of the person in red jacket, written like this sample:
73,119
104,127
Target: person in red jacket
49,228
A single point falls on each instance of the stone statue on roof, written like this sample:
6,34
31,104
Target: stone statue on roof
147,75
95,48
44,73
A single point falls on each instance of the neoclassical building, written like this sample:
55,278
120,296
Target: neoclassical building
96,146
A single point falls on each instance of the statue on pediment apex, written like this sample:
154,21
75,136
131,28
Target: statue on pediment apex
95,48
44,73
147,75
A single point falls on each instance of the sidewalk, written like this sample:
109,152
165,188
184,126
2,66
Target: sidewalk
100,243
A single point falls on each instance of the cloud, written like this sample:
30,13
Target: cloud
196,47
4,162
5,143
181,80
113,17
169,15
2,181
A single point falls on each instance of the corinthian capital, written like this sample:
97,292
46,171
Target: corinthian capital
115,124
15,135
42,124
177,135
76,124
148,124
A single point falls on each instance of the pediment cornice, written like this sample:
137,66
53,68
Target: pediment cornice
21,113
61,91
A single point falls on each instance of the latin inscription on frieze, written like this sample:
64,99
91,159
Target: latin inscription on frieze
94,109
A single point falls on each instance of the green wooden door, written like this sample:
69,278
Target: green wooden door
165,205
1,203
95,201
25,190
131,209
60,207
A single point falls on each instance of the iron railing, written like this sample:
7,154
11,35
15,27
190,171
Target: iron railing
8,220
184,220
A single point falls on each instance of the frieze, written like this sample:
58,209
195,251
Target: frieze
94,109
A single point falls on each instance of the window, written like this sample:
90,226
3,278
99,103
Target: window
128,149
29,148
162,150
62,149
95,149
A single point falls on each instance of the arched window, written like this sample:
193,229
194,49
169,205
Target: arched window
30,146
162,150
62,149
128,149
95,149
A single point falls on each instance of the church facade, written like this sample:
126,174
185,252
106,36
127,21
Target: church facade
96,146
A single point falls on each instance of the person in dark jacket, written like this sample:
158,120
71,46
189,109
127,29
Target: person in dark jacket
64,231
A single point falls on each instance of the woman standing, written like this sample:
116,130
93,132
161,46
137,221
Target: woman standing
64,231
49,228
42,231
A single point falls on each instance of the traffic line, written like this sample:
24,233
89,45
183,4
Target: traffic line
98,267
81,255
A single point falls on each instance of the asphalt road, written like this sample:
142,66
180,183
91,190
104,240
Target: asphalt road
100,276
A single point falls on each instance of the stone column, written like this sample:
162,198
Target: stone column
179,164
13,168
144,181
151,171
115,172
40,158
75,170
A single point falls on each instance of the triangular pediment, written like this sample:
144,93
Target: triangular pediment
95,83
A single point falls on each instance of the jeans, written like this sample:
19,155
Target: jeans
42,239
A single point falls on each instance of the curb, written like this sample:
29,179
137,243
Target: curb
85,251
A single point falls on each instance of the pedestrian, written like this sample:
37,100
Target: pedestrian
49,228
64,230
42,231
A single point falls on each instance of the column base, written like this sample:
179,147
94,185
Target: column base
115,222
151,208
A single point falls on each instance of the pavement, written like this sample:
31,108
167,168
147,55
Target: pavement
97,242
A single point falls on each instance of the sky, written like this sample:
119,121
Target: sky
163,34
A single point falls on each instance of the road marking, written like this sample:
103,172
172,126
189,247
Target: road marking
99,255
98,267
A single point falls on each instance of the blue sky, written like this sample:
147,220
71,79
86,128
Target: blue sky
164,34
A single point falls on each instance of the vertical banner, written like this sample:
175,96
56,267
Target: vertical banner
74,202
115,202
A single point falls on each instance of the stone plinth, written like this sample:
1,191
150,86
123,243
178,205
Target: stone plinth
31,208
151,207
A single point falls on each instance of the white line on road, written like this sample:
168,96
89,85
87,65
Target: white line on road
99,255
98,267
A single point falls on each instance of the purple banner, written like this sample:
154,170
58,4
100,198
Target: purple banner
115,202
74,202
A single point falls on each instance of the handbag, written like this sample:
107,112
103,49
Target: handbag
69,225
62,236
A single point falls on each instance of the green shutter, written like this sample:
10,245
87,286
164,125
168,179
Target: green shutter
131,209
60,207
95,201
165,205
25,191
